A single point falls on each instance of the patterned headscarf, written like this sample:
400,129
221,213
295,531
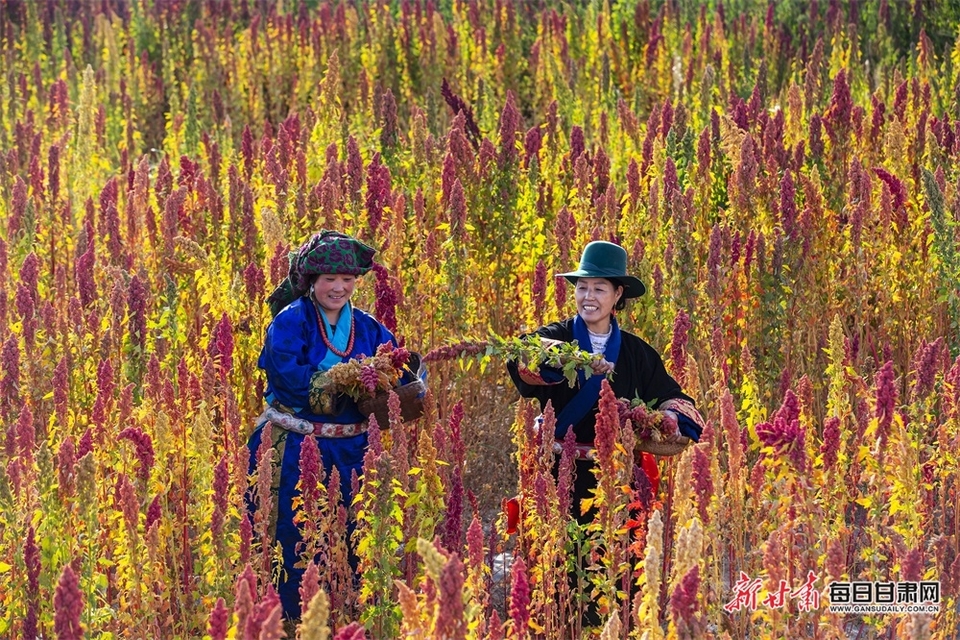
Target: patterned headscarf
324,252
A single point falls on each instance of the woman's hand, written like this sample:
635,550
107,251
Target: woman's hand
602,367
546,343
671,427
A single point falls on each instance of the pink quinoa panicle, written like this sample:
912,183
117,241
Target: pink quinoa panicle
218,623
450,617
702,482
143,447
68,606
519,598
353,631
886,398
683,602
309,585
678,345
831,441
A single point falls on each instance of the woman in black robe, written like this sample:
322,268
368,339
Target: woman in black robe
602,287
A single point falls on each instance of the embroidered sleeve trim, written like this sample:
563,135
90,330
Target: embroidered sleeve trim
532,378
686,408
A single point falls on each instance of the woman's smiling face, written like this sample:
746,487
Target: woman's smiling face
332,292
596,298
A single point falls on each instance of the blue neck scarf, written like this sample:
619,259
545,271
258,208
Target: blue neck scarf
339,338
589,392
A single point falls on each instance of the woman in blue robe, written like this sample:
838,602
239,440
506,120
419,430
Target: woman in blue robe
314,327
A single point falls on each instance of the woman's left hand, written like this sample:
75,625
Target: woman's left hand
602,367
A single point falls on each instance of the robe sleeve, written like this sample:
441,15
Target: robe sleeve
284,359
530,384
688,418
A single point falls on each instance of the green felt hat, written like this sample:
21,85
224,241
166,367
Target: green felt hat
602,259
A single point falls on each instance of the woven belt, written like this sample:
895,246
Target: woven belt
580,451
331,430
292,423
